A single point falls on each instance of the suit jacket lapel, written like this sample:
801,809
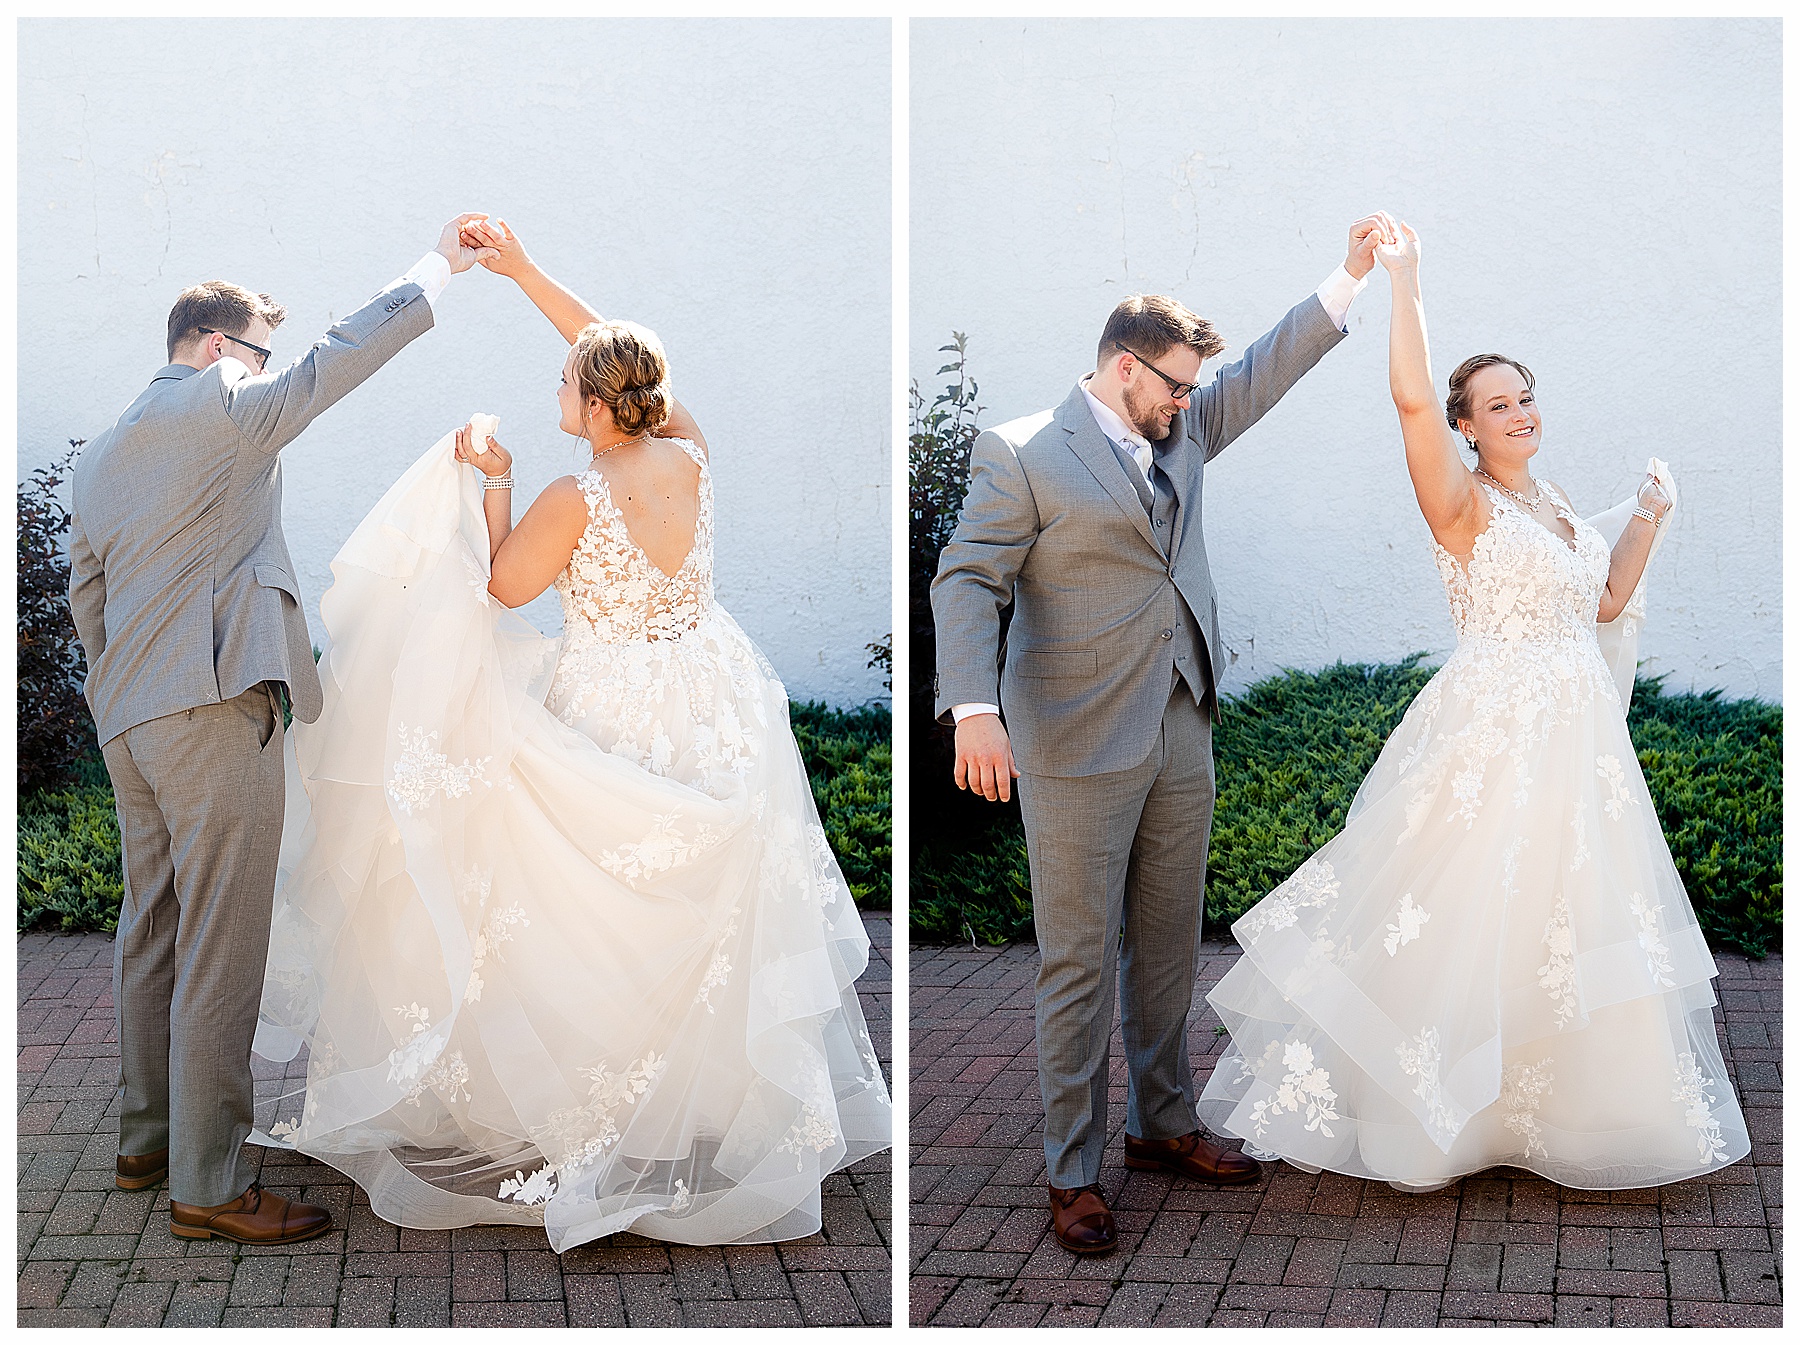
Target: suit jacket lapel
1172,456
1087,443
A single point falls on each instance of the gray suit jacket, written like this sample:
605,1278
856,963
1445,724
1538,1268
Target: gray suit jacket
179,577
1053,524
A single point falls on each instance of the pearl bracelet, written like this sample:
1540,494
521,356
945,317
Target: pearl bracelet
497,482
1647,516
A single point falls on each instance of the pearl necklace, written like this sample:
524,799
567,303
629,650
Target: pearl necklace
1531,504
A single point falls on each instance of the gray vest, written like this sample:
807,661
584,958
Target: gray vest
1187,643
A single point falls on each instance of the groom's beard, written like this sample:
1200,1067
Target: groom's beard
1141,410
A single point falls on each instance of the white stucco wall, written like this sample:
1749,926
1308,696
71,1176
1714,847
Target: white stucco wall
726,183
1600,199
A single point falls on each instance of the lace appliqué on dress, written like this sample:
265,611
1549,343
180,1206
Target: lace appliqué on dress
1691,1086
1305,1086
1525,656
1650,939
1609,770
1314,884
1521,1089
1408,921
422,771
1422,1058
1557,976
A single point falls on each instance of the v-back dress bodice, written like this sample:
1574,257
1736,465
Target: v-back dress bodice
612,592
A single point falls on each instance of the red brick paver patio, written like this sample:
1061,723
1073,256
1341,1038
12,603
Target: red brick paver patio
1299,1249
90,1255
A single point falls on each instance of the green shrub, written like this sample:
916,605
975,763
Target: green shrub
69,859
849,758
54,728
1293,749
1714,770
69,839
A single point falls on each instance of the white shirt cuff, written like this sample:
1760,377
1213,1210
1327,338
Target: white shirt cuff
962,712
430,274
1337,292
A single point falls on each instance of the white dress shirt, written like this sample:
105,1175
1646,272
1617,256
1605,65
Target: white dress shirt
431,273
1335,294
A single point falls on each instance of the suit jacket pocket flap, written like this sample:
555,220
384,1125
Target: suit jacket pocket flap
273,576
1056,662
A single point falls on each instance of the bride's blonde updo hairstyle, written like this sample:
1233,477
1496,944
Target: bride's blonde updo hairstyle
624,366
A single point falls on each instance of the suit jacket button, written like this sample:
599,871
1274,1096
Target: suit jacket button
1168,634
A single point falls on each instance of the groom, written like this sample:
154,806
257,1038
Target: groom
185,602
1087,520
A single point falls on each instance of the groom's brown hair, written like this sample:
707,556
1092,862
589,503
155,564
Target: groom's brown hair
223,307
1153,324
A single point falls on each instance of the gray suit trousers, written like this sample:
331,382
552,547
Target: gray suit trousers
200,796
1119,851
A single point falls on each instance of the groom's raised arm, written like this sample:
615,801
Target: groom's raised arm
974,583
271,410
1242,392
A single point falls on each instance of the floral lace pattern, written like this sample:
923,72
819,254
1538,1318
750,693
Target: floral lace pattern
1314,884
574,1135
1691,1085
1409,919
1650,939
718,971
1578,824
1422,1058
1557,975
495,930
1609,770
1305,1086
421,771
1522,1088
1524,604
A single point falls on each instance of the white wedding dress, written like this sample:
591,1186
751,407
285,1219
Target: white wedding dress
557,920
1495,961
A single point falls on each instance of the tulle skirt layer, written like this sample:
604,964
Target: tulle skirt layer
559,926
1493,963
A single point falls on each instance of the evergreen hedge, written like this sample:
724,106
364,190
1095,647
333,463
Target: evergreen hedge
1291,751
69,838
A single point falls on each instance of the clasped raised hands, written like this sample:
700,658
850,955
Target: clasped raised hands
453,247
500,248
1367,234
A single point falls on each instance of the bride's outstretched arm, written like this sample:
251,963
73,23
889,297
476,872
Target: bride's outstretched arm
566,311
1444,486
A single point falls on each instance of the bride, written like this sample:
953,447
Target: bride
1494,962
557,920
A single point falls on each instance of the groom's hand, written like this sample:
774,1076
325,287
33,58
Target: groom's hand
452,249
984,759
1367,234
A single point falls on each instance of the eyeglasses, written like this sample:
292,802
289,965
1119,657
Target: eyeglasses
1177,390
263,363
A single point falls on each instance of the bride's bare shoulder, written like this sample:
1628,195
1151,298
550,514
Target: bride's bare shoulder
562,498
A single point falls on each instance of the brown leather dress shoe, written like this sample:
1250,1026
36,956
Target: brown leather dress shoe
138,1171
1081,1221
1191,1155
256,1217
